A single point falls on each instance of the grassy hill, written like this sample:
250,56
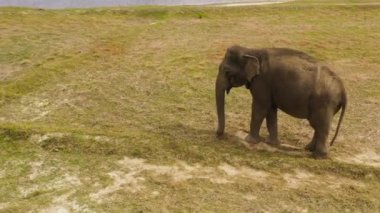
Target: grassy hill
112,109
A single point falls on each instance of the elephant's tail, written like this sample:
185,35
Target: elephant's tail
343,105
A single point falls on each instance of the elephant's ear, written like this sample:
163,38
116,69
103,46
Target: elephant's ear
252,67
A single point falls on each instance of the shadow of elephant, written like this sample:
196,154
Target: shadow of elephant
179,132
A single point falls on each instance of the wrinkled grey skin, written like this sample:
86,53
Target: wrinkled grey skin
285,79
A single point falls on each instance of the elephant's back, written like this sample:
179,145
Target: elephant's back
296,79
292,80
290,53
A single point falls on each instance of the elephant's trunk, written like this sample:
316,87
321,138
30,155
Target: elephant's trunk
220,89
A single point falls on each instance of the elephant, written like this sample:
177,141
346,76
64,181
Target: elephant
285,79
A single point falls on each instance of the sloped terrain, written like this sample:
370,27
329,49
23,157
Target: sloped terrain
113,109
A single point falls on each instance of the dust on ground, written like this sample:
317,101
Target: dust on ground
131,177
62,204
8,71
369,158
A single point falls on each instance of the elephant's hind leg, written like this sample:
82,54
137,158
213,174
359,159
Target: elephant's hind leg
320,120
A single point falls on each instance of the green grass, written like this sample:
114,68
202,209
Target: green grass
94,86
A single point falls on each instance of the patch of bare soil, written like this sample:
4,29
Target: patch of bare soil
134,172
35,108
62,204
32,109
59,183
40,138
300,178
262,146
67,183
8,71
4,205
36,169
369,158
38,106
131,177
297,178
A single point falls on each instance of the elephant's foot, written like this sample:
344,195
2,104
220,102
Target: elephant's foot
253,140
219,133
319,155
273,142
320,151
310,147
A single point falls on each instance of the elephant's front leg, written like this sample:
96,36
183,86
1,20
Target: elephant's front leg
257,118
311,146
271,119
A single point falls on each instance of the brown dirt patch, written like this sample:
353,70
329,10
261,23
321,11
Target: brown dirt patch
8,71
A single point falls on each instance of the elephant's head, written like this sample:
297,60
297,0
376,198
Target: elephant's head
239,66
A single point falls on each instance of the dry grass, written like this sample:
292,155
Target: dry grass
114,109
